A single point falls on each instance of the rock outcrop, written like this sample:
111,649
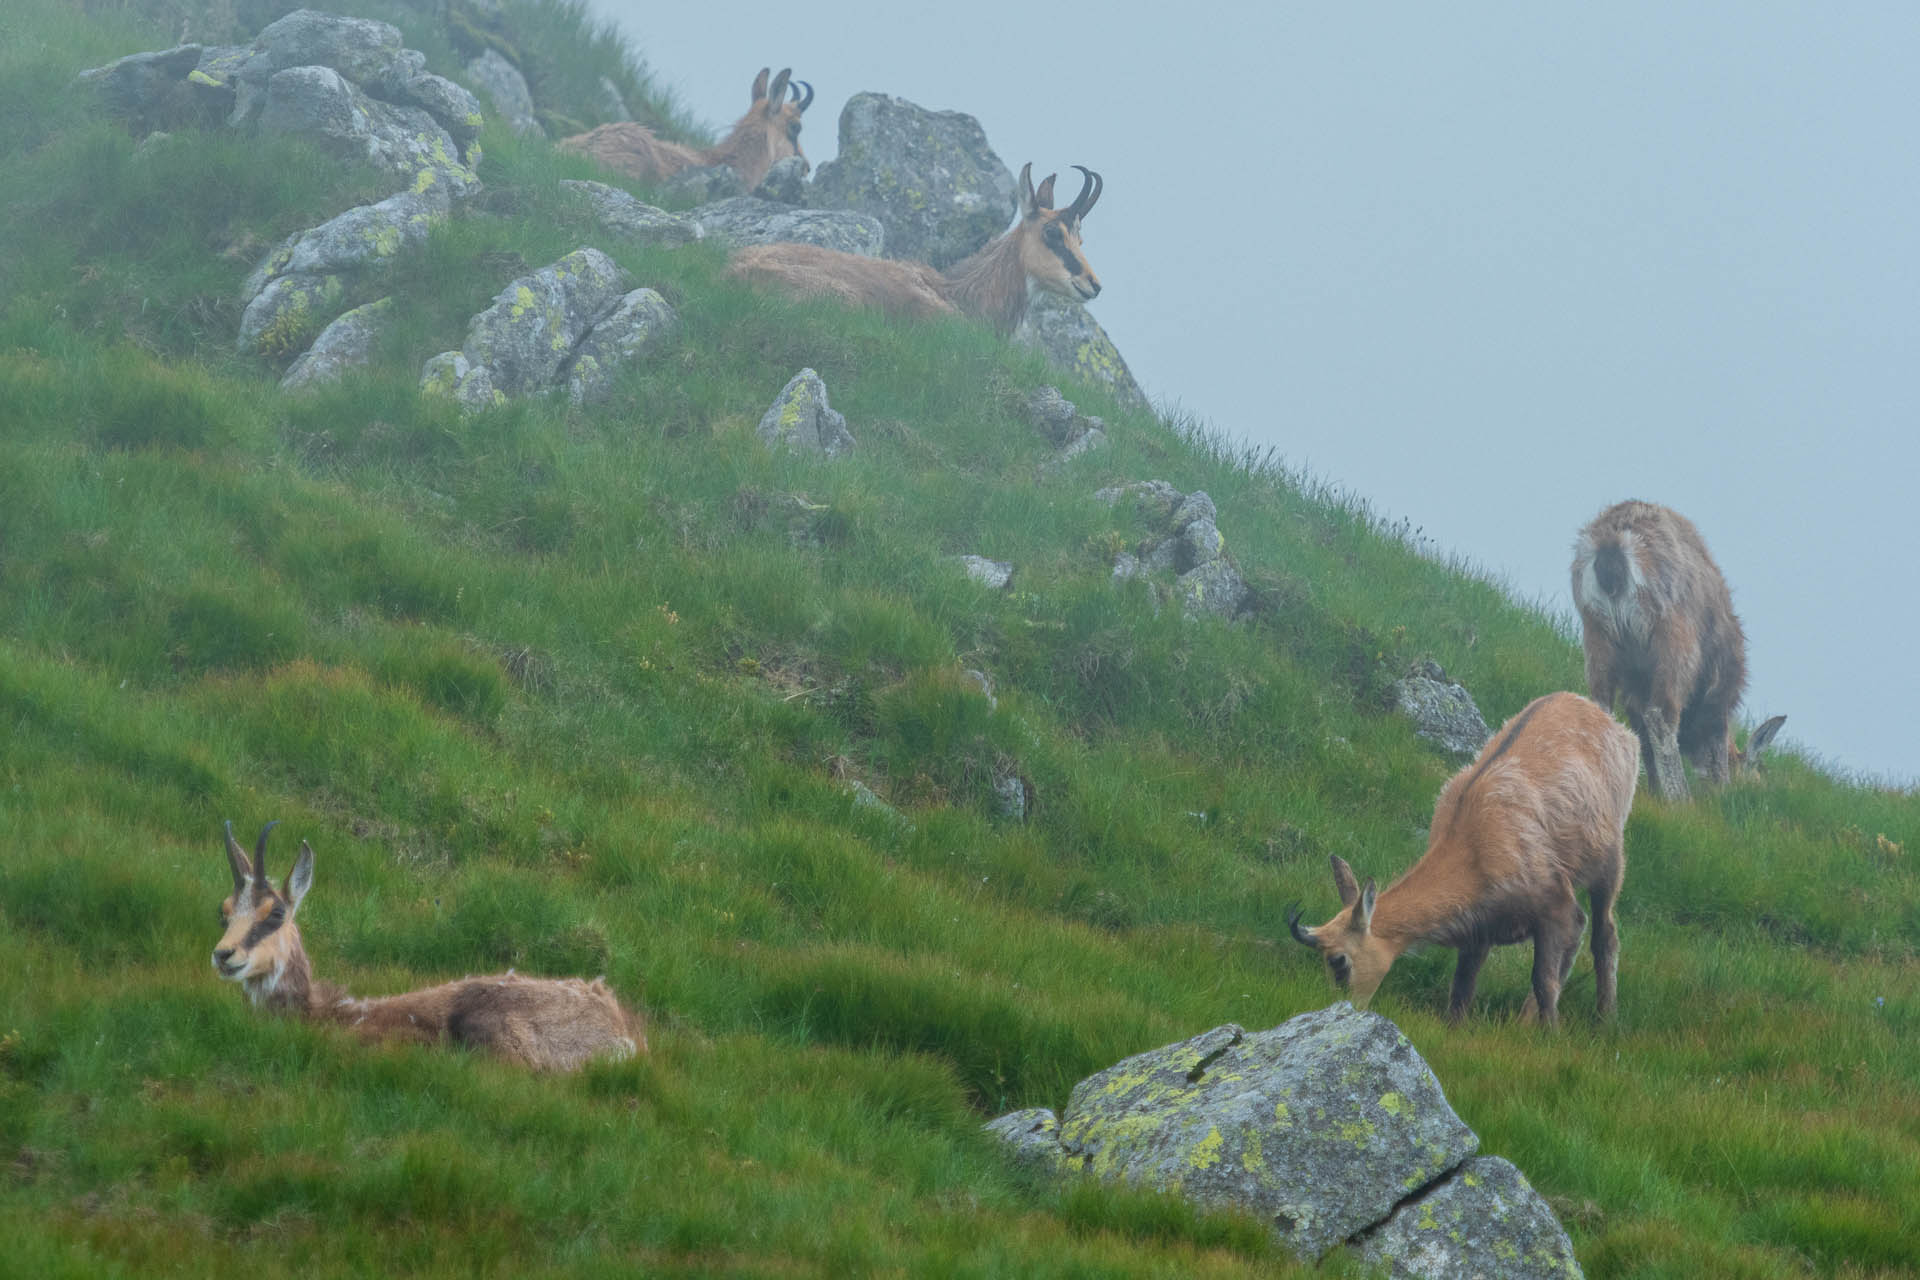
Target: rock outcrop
1073,342
929,176
347,343
503,84
745,220
801,419
632,220
1442,712
1329,1126
1185,542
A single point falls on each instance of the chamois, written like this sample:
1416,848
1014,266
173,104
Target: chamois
548,1024
766,135
1041,250
1659,630
1538,815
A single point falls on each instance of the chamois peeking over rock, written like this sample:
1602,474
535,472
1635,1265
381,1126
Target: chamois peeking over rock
1041,250
1539,815
1659,630
548,1024
767,134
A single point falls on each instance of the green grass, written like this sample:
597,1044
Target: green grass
564,691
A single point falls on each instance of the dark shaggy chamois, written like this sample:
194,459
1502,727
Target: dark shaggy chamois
1659,630
1041,250
548,1024
760,139
1538,816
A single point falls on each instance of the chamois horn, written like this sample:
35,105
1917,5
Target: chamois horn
801,103
1091,185
260,856
1300,934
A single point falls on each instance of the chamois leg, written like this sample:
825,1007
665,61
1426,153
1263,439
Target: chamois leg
1556,939
1660,749
1710,757
1606,946
1465,973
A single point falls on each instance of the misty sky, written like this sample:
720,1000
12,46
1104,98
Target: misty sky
1492,267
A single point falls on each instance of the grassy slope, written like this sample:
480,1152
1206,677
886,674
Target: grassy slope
558,691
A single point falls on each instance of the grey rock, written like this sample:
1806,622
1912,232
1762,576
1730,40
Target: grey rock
1052,414
1321,1125
347,343
1195,506
801,419
1484,1220
929,176
988,573
745,220
285,315
361,49
1127,565
1087,441
1073,342
456,110
1156,498
1214,589
864,798
786,181
984,683
507,89
1032,1137
144,86
451,373
318,103
636,327
1011,796
1199,543
701,183
363,238
613,107
634,221
1443,713
534,324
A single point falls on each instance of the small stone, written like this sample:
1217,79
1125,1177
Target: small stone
801,419
995,574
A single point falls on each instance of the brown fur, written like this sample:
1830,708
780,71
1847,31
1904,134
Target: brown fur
1659,630
992,285
1539,815
547,1024
768,133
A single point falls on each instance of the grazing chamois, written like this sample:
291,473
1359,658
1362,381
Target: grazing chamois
548,1024
760,139
1539,815
1659,630
1041,250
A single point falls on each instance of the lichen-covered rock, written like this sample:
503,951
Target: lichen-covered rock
531,329
318,103
456,110
285,315
1155,499
1484,1220
801,419
1214,589
786,181
1012,796
361,49
929,176
451,374
1052,414
146,88
700,183
745,220
1073,342
363,238
1187,543
1442,712
1320,1125
992,574
503,84
636,326
633,221
1032,1137
347,343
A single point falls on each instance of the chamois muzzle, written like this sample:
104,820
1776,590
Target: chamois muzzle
1300,932
801,104
1091,185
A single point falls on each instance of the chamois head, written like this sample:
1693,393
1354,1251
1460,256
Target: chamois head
1049,238
1356,959
770,131
261,942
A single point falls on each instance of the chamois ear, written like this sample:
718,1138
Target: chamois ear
760,85
1363,910
1025,190
1344,881
777,91
1043,198
1761,739
300,879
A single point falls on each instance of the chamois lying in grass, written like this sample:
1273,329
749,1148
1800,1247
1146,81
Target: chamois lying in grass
548,1024
1539,815
1658,626
760,139
1041,250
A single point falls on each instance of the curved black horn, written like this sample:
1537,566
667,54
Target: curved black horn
1300,934
1091,186
801,104
237,863
260,855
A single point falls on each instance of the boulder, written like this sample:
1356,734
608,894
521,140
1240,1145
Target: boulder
1214,589
507,89
636,326
456,110
928,176
1074,343
1032,1137
285,315
361,49
317,102
528,334
745,220
786,181
1484,1219
347,343
1185,542
146,89
364,238
801,419
632,220
1012,798
470,384
1442,712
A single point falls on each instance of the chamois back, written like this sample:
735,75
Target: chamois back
768,133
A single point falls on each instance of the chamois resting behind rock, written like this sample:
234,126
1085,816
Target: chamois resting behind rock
766,135
1659,630
1539,815
548,1024
1041,250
